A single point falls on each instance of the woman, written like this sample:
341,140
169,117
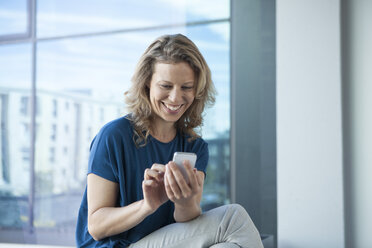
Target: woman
136,196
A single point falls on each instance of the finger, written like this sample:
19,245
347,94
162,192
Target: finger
152,174
177,172
180,179
150,183
158,167
145,175
168,189
200,177
190,173
172,183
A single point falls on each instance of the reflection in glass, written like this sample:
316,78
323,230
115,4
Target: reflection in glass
80,88
56,18
213,41
13,17
15,134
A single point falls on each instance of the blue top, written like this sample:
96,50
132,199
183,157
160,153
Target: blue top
115,157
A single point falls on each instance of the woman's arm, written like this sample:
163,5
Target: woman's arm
186,197
105,219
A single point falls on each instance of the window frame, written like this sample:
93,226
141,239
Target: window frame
253,112
20,37
30,234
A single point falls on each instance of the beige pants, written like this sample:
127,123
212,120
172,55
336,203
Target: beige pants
226,226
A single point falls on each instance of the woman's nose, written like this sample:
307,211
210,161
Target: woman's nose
175,95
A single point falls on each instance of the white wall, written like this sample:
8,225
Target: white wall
359,84
309,134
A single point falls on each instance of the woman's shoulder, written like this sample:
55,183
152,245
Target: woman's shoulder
116,127
194,141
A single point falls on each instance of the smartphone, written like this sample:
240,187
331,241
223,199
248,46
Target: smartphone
179,157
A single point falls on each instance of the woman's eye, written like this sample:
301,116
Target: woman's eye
187,87
165,86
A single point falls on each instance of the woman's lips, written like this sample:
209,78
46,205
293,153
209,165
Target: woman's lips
172,109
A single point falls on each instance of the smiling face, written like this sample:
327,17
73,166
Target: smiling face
172,91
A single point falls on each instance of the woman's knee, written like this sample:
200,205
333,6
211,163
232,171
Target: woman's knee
235,207
238,213
229,212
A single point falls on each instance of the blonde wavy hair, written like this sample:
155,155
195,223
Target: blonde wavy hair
168,49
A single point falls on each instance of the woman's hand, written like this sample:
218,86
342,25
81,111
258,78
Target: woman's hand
153,187
186,196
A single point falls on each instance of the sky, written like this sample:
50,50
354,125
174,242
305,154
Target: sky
105,63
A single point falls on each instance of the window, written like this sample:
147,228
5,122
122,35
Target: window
25,154
15,90
101,114
24,105
52,154
14,19
65,150
53,132
85,57
38,106
26,128
69,17
55,108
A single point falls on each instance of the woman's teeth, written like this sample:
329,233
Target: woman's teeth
173,108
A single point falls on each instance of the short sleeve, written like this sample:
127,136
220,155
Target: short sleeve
104,154
202,155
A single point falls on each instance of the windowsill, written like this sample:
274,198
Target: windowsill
3,245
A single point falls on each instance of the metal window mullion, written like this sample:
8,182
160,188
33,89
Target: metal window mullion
31,198
137,29
232,116
29,18
25,38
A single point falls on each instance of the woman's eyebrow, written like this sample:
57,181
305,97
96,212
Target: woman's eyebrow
164,81
169,82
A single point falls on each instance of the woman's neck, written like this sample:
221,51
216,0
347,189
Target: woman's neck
164,132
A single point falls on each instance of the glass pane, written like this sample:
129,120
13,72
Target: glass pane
13,17
214,43
15,134
80,88
56,18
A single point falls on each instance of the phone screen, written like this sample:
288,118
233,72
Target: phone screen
179,157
